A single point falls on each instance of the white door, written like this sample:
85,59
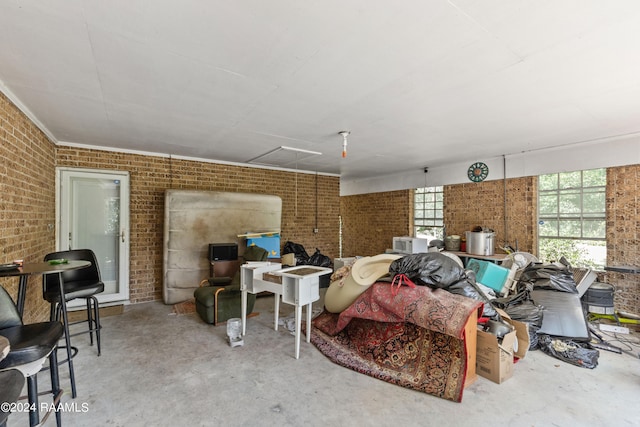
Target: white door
93,213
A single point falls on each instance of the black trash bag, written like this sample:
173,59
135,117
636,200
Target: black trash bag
534,341
439,271
467,287
527,312
428,269
575,353
319,260
298,250
520,306
522,293
550,276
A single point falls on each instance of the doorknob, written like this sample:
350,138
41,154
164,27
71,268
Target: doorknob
122,235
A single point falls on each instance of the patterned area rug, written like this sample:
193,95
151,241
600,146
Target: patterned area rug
184,307
413,338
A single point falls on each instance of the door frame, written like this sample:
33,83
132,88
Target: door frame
123,296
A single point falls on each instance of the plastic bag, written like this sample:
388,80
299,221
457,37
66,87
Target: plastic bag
534,341
302,257
319,260
550,276
520,306
435,270
428,269
468,288
579,354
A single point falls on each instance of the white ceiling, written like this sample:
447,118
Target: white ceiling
418,83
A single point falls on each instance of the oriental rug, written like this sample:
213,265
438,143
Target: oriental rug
411,337
184,307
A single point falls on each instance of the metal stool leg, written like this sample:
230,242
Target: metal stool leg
96,321
89,319
67,340
32,393
62,310
55,384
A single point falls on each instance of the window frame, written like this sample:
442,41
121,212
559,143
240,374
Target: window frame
434,221
580,216
569,209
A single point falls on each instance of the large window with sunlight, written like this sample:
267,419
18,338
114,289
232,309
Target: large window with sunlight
428,222
571,217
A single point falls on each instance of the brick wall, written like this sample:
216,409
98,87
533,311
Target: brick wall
27,209
623,234
370,221
27,200
380,216
483,204
151,176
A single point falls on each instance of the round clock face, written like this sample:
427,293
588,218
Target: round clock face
478,172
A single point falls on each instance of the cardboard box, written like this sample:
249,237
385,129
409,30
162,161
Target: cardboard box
522,338
494,359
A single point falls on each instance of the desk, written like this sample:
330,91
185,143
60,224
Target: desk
29,269
300,286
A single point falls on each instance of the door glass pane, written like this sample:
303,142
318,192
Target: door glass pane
96,224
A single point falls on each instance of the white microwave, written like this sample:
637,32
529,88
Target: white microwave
410,245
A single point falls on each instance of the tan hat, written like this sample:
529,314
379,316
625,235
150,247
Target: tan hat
364,273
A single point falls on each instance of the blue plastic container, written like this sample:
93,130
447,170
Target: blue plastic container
489,273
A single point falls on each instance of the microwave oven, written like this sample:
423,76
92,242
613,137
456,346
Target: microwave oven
410,245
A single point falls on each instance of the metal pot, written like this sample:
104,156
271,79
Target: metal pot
480,243
499,329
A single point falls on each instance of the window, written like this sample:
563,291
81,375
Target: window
572,217
428,220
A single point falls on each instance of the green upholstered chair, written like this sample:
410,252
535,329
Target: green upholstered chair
219,299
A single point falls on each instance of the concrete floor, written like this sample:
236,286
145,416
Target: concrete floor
159,369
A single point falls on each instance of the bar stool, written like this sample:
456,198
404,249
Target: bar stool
83,283
11,383
30,346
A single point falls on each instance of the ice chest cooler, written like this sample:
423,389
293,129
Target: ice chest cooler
489,273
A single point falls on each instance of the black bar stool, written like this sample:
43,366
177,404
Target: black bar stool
11,383
30,346
83,283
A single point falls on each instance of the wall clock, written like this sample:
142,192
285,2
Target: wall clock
477,172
